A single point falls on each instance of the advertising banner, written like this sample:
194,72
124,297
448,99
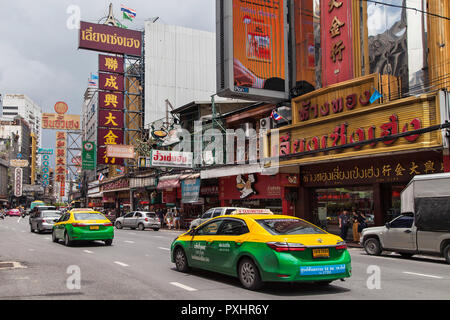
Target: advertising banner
88,155
252,49
172,159
108,137
110,64
104,38
18,163
45,151
337,41
120,151
110,100
111,82
61,121
190,190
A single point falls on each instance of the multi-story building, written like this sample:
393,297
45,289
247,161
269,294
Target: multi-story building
21,105
180,66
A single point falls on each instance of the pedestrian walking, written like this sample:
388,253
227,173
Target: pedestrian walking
169,218
343,224
176,219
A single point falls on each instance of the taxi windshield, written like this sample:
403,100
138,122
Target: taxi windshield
289,227
88,216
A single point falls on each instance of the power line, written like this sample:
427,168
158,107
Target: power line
408,8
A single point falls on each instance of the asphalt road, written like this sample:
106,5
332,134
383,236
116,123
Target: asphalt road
137,266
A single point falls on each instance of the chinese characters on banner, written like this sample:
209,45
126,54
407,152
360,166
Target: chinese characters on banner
60,168
337,39
111,107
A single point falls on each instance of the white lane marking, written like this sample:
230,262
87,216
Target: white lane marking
87,251
47,238
164,248
127,241
31,250
423,275
18,221
121,264
158,237
133,233
176,284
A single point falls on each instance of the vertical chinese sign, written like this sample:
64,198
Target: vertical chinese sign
337,41
60,168
111,107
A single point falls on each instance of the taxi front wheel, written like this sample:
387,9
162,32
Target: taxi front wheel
249,275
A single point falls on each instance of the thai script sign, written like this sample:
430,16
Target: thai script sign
60,121
110,39
399,169
116,185
120,151
18,163
190,190
171,159
45,151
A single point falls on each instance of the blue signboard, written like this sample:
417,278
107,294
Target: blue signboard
190,190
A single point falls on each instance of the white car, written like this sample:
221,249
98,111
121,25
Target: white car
212,213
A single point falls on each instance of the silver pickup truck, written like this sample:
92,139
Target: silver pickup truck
424,228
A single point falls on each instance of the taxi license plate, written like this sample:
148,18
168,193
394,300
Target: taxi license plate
321,253
94,228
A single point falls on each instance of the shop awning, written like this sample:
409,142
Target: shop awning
235,170
96,195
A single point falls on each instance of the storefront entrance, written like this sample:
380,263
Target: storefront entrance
330,202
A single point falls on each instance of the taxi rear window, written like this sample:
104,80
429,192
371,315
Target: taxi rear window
288,227
88,216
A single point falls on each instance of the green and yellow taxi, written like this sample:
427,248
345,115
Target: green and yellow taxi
260,248
83,225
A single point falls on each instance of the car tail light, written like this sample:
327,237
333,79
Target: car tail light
78,225
146,219
108,224
341,246
285,247
44,221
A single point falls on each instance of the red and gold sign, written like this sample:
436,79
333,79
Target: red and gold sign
61,121
110,119
337,37
111,82
110,64
350,123
108,137
110,100
104,38
61,155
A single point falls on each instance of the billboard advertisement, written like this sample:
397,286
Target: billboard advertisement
104,38
110,64
110,100
252,49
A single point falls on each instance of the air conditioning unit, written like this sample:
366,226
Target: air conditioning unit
265,124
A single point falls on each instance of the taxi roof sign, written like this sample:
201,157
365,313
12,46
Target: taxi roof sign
252,211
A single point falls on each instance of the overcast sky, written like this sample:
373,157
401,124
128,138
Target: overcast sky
39,54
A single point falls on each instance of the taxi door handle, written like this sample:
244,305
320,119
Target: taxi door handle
209,241
238,243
